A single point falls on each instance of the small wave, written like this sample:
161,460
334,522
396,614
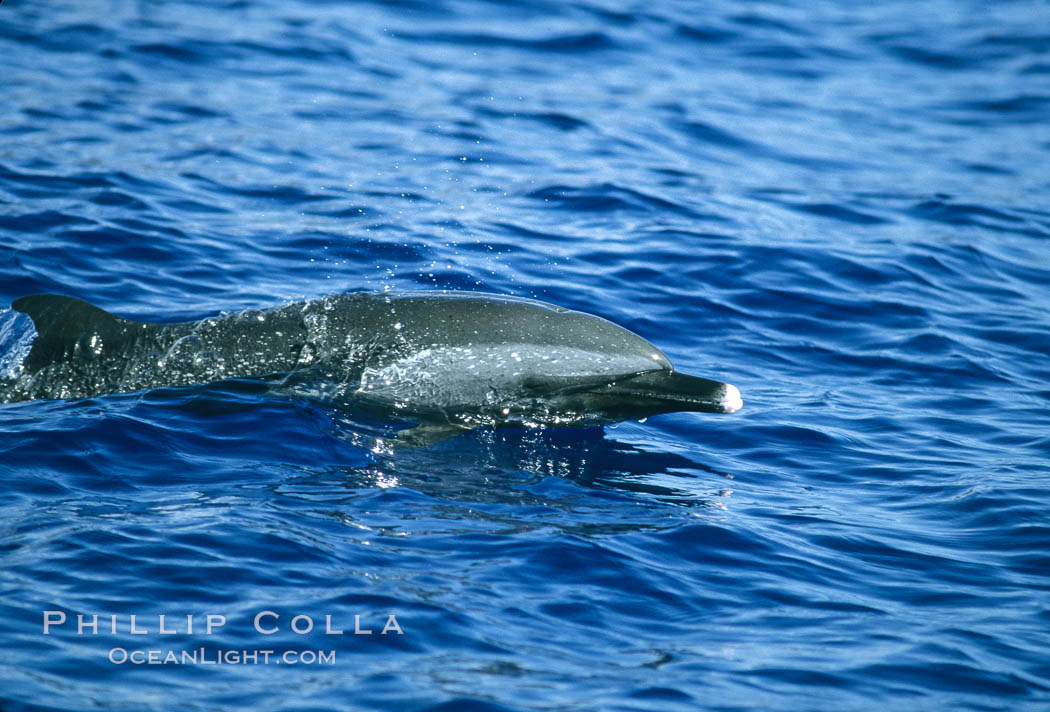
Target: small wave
290,194
933,58
572,43
963,214
708,133
839,212
562,122
706,34
605,197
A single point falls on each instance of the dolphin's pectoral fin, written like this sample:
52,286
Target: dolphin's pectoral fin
428,433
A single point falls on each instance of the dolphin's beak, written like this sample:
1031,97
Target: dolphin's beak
672,391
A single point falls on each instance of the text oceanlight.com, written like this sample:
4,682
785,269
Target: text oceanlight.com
204,656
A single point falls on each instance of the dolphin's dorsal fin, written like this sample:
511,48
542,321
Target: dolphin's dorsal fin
61,322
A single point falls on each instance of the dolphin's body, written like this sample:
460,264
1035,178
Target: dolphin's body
451,360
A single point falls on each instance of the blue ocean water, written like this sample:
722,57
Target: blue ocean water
840,207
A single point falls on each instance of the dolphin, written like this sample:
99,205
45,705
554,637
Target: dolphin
450,361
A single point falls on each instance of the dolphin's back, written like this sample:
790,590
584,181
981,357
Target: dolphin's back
530,332
419,319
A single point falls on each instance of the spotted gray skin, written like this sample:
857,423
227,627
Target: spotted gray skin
447,359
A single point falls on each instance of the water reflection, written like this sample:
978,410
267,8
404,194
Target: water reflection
514,466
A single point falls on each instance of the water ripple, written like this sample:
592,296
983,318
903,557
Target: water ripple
838,208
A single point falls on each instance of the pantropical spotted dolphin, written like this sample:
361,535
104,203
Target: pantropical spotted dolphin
450,360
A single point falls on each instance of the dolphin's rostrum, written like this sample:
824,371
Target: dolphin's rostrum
451,360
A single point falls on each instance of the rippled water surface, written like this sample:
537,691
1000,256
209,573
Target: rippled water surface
840,207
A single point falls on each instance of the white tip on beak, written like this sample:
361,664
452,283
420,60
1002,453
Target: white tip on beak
731,400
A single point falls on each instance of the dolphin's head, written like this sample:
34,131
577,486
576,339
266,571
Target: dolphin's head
487,359
618,375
